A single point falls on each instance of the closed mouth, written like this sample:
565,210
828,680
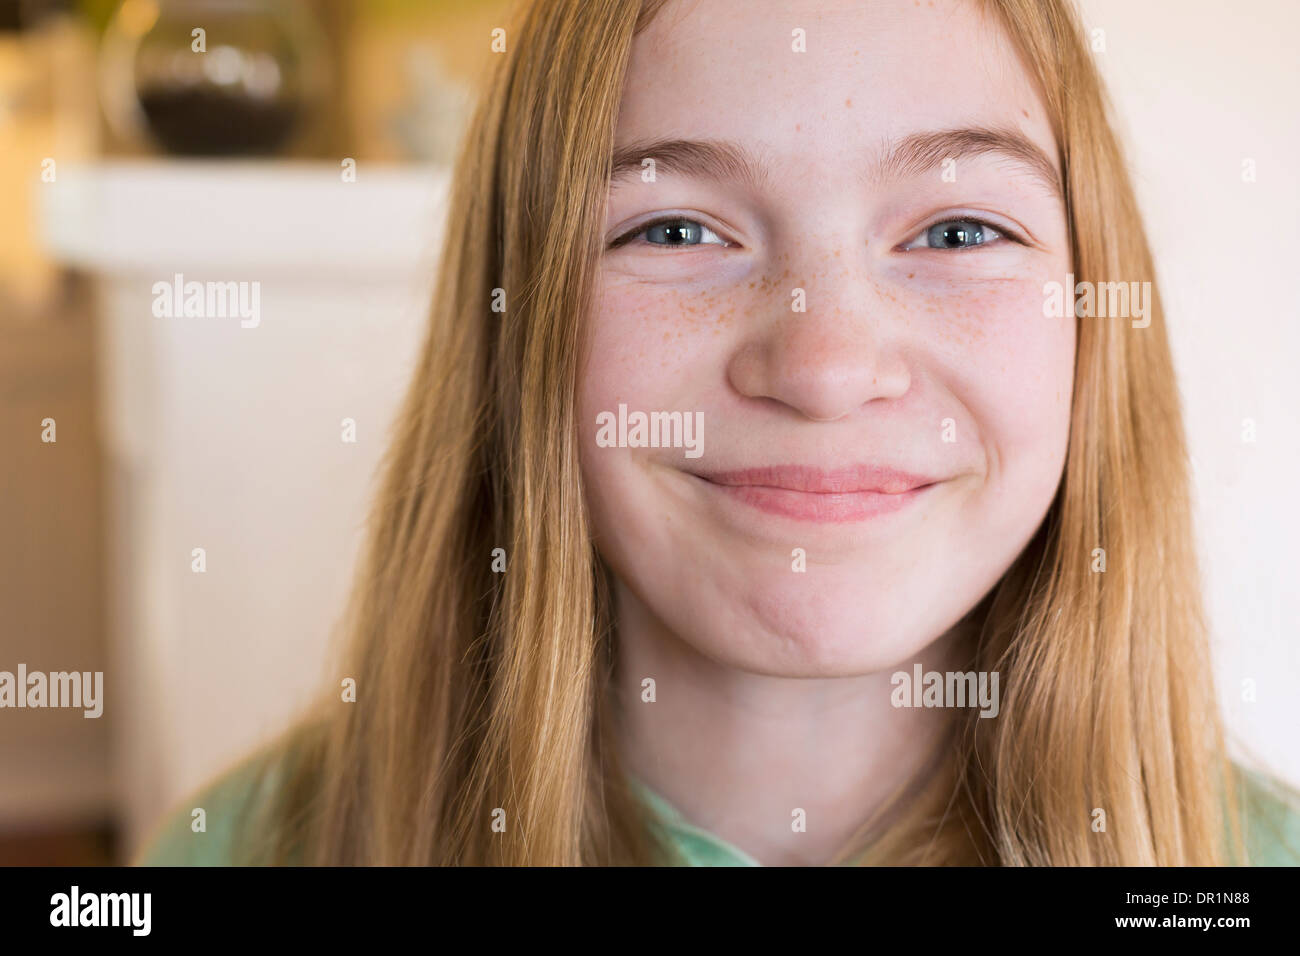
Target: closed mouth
810,493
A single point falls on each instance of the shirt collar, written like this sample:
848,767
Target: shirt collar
694,845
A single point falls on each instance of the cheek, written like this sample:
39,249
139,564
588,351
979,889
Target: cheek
647,348
1018,385
1010,367
644,349
1004,373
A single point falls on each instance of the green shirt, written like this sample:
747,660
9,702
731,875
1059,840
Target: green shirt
694,845
1272,837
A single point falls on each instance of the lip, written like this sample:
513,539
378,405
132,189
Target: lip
808,493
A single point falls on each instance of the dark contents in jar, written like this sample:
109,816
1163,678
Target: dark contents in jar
203,121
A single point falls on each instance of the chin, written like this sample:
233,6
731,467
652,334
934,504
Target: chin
802,629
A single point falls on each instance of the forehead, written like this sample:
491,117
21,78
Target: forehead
873,71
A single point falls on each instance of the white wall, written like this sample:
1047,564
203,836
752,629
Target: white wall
1199,86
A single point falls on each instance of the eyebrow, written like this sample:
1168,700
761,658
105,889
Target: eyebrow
700,158
923,152
913,155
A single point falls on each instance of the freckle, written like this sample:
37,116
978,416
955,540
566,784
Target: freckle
848,103
910,274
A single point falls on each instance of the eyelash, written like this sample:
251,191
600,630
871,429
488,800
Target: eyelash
647,226
1002,231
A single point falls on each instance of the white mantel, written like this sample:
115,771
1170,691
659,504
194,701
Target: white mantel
229,439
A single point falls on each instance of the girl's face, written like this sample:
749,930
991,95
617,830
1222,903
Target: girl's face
862,211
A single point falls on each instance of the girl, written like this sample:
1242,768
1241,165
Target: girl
750,504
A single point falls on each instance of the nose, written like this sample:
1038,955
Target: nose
828,361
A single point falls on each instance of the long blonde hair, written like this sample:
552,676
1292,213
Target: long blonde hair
485,696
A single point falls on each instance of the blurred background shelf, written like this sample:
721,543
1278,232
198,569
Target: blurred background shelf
230,439
292,218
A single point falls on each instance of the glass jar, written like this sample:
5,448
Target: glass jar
211,77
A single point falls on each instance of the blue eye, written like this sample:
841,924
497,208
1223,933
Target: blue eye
672,231
954,234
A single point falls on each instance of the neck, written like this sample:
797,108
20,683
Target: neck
738,752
